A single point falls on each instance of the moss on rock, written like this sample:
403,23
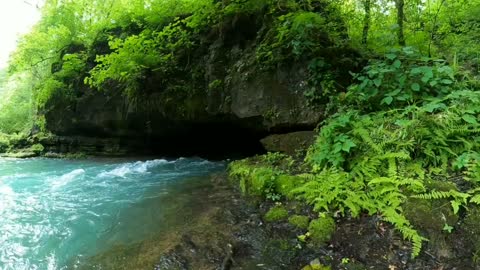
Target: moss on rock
431,215
471,230
276,213
321,229
37,148
299,221
284,184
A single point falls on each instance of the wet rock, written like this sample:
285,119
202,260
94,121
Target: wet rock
431,217
290,143
172,262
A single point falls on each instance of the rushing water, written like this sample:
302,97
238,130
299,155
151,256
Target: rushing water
55,213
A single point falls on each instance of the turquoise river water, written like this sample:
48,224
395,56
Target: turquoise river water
56,213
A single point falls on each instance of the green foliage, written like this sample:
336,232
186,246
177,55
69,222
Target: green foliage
296,35
372,162
254,180
321,82
321,229
276,213
299,221
16,105
284,184
402,78
158,51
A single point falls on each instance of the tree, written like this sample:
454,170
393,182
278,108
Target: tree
366,20
400,4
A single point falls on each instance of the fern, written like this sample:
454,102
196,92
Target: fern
403,225
457,199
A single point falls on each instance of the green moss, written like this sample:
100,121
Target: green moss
321,229
431,215
276,213
253,179
441,185
316,265
471,227
37,148
286,183
215,85
299,221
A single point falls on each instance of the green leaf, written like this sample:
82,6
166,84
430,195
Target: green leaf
455,206
397,63
447,228
415,87
469,119
447,81
347,145
433,106
337,147
377,82
427,75
387,100
416,70
391,56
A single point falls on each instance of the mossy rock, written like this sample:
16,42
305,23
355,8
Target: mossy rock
37,148
441,185
321,229
471,224
431,215
279,252
253,179
23,153
284,184
316,265
276,213
259,179
299,221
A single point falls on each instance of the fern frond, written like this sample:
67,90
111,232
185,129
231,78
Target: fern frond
433,195
475,199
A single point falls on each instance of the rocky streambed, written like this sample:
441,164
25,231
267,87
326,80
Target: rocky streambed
217,228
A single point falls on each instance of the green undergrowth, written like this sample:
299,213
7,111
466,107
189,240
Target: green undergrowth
389,140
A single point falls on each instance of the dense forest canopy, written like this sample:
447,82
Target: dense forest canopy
93,42
409,117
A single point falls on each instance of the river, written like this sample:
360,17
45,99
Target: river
58,213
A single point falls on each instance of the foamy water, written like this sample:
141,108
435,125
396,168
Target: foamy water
55,212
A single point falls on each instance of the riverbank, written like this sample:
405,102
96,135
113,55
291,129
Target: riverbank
216,227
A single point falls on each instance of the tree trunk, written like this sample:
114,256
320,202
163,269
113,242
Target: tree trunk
400,19
366,21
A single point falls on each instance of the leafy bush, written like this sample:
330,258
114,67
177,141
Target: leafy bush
298,35
402,78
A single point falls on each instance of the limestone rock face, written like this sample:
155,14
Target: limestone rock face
288,143
225,99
